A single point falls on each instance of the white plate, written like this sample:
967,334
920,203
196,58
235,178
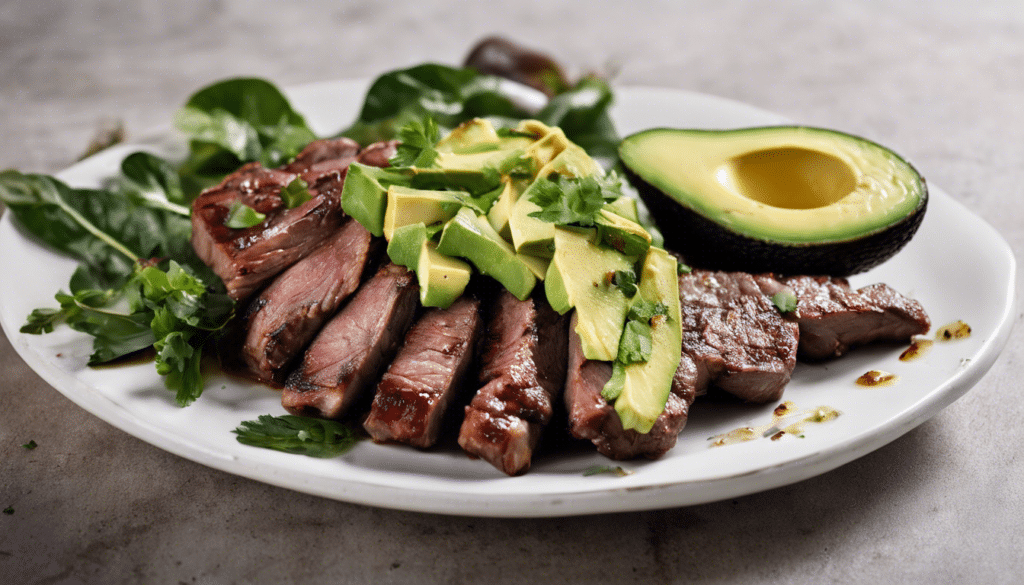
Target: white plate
957,266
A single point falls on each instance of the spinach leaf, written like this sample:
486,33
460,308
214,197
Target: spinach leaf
150,178
237,121
582,113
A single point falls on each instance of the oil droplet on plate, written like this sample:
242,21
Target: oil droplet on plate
877,378
954,330
918,348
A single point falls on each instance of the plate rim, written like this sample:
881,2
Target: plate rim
631,498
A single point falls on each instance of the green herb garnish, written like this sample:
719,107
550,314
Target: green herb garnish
785,300
295,193
296,434
416,149
241,216
612,469
571,201
30,445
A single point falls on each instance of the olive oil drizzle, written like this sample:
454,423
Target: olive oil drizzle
786,420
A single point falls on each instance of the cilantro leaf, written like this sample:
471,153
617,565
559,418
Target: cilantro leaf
30,445
567,201
241,216
625,280
635,344
416,148
296,434
295,193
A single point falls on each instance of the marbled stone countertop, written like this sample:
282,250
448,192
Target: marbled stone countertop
942,82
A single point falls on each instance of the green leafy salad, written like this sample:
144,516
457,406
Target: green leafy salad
140,287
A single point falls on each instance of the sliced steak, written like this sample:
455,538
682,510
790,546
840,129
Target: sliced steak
246,258
735,335
348,355
378,154
591,417
426,375
523,369
288,313
834,318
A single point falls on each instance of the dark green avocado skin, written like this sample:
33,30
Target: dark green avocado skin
706,244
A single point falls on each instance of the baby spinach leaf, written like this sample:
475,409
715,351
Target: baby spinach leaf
237,121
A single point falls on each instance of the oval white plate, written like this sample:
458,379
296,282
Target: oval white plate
957,266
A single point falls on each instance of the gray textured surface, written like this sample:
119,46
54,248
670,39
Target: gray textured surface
943,504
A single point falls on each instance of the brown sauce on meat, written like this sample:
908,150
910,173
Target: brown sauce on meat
786,420
955,330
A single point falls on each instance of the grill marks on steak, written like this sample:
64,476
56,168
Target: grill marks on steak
290,311
522,373
591,417
834,318
735,335
426,375
246,258
348,355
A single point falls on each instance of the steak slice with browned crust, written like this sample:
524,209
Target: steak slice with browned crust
290,311
523,369
834,318
428,373
591,417
348,355
735,335
246,258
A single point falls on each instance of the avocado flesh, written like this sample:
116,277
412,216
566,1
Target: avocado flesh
578,277
645,386
408,206
789,199
441,279
470,236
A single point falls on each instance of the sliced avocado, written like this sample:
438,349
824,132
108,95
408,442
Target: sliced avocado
626,207
469,135
581,275
408,206
645,386
534,236
442,279
499,213
788,199
626,236
365,195
470,236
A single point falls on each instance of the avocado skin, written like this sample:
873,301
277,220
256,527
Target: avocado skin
706,244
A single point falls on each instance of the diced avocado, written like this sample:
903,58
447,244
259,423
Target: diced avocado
501,210
408,206
537,265
580,276
619,233
534,236
626,207
470,236
468,135
365,195
405,244
787,199
442,279
645,386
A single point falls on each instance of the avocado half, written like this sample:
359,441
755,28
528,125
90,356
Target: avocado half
786,199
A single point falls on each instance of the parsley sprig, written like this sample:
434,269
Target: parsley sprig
297,434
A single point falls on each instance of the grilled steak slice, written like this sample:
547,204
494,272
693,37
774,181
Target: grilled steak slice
834,318
246,258
288,313
523,369
348,355
735,335
378,154
426,375
591,417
